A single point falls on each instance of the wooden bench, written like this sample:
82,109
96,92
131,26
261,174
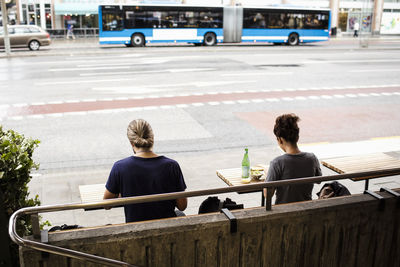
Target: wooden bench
361,163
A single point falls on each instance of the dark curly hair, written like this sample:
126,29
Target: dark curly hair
287,128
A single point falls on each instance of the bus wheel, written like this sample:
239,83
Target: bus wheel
293,39
137,40
210,39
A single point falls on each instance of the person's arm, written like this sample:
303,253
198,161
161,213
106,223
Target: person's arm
181,203
272,175
108,195
112,185
272,194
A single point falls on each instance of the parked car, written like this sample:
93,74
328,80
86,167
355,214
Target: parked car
30,36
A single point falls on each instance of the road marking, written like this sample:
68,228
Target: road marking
351,95
144,72
19,105
58,115
83,81
363,95
189,70
93,68
376,70
351,61
198,104
146,62
120,73
257,74
35,116
252,97
182,106
166,107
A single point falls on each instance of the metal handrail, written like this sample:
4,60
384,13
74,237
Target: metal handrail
160,197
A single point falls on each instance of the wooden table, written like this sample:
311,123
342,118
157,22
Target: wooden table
233,177
91,193
360,163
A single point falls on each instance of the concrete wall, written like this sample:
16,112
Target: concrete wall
346,231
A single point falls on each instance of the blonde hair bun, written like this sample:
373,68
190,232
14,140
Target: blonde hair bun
140,133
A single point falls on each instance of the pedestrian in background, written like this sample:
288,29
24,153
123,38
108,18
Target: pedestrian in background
70,31
356,28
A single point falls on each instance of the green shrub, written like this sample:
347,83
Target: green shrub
16,164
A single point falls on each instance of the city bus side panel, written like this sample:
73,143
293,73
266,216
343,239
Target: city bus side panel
176,35
282,35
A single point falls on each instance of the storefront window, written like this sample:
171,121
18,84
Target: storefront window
71,20
89,21
343,21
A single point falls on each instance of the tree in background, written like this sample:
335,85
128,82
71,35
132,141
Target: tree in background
16,164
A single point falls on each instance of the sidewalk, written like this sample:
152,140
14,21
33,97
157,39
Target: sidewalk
199,169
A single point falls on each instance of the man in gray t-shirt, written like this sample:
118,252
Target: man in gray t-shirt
292,166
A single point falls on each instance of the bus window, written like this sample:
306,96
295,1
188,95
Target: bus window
275,21
254,19
210,19
188,19
316,21
112,19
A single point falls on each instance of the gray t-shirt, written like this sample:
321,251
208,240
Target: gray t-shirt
289,166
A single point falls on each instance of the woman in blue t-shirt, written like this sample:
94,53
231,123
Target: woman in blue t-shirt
145,173
293,164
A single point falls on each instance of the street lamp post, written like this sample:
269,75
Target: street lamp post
5,29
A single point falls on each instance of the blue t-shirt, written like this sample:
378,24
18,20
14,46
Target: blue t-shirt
135,176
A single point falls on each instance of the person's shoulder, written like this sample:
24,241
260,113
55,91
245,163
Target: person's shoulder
279,159
168,161
309,155
124,161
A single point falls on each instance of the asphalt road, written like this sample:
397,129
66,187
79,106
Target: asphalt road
203,102
197,98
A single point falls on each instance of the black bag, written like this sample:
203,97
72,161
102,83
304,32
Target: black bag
64,227
333,189
214,204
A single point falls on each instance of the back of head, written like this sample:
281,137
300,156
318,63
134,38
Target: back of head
286,127
140,134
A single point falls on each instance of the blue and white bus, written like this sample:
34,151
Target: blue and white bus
138,25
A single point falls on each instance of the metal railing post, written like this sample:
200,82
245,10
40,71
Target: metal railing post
35,226
268,199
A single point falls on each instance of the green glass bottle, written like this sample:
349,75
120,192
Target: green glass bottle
246,165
